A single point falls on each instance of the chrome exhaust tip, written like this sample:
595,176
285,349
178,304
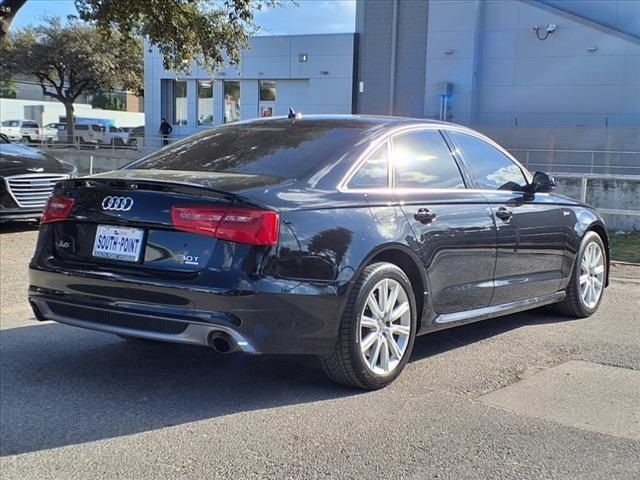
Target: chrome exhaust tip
222,342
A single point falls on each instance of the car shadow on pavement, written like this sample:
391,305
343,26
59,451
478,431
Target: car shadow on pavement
62,385
16,227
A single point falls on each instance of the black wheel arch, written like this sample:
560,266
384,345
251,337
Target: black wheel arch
408,261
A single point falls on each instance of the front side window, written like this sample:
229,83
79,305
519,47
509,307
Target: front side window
491,169
422,159
179,102
205,102
374,173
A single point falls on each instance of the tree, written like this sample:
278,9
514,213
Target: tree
108,101
8,10
72,59
185,31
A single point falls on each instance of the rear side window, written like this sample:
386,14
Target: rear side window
282,149
374,173
422,159
491,169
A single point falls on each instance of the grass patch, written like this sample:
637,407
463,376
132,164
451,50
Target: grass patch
625,248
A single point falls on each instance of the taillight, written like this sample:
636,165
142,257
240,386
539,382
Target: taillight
58,208
242,225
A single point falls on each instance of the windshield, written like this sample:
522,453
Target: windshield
10,123
276,149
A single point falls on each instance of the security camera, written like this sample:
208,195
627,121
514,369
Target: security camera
551,28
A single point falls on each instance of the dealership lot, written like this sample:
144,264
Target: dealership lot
532,395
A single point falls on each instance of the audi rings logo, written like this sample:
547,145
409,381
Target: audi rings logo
117,204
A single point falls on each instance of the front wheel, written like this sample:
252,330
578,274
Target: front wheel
377,330
585,289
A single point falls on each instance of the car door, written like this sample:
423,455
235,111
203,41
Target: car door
452,224
530,243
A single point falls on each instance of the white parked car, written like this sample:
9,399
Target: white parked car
50,132
21,130
89,134
115,136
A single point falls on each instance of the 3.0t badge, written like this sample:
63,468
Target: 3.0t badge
117,204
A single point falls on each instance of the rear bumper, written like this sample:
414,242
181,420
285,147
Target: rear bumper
304,320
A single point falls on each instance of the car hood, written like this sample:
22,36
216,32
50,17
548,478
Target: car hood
18,159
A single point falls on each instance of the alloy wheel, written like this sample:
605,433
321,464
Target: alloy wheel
385,326
592,275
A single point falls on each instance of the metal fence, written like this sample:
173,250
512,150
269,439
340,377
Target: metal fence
610,162
132,143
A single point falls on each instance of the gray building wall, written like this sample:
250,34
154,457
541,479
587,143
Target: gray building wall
373,27
377,68
322,84
584,75
621,15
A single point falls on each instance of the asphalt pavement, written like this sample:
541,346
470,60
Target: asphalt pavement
484,401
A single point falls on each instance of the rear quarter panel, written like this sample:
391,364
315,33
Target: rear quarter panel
332,244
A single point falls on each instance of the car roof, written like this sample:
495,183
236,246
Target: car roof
346,120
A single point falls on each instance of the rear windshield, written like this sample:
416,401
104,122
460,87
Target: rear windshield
283,150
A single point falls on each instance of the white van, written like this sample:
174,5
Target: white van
89,134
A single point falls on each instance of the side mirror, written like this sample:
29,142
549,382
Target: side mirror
542,183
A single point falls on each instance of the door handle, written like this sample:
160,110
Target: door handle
424,215
504,214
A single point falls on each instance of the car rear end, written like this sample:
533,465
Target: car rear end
136,258
30,131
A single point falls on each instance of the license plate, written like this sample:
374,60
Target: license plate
118,243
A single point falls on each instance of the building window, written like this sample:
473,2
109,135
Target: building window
267,91
179,102
231,101
205,102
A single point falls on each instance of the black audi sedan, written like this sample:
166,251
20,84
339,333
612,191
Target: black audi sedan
27,178
342,237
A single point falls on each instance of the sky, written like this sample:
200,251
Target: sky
310,16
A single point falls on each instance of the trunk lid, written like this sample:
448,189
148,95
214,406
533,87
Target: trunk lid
135,206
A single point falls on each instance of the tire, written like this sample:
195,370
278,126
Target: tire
576,304
349,364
